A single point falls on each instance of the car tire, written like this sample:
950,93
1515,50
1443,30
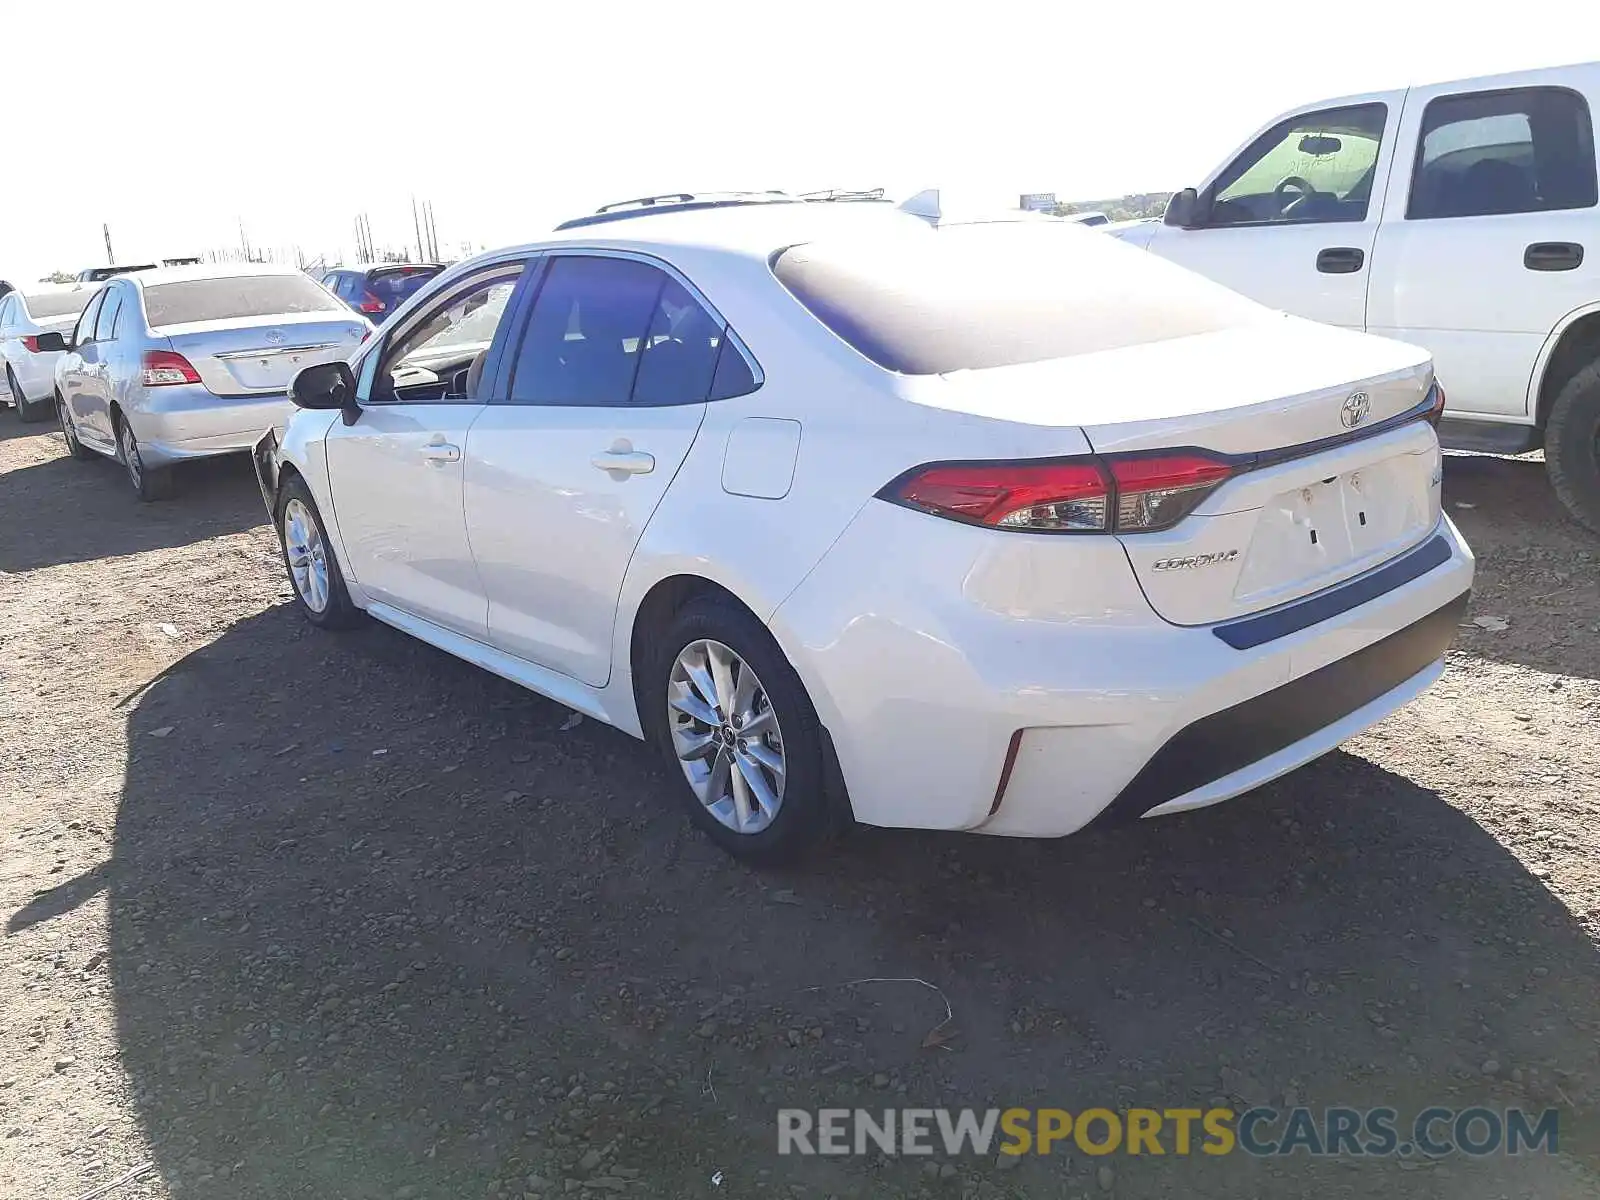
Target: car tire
1572,446
722,787
74,447
28,414
308,557
150,483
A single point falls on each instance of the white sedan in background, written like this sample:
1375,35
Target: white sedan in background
179,363
29,370
1002,527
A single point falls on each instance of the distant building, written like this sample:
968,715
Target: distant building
1037,201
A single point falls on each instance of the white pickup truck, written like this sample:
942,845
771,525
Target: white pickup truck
1460,217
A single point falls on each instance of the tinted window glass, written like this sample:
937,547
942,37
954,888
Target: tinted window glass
83,332
582,344
922,301
733,377
680,350
58,304
105,325
227,299
1526,150
1311,168
395,287
441,358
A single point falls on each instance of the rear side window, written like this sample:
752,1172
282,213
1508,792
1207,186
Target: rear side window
1487,153
396,287
229,299
58,304
920,301
105,326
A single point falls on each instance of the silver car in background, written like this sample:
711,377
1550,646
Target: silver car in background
190,362
27,370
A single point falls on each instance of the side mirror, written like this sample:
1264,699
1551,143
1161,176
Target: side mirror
329,385
47,342
1183,210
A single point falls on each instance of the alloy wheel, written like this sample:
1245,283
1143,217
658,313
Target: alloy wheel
130,453
67,430
726,736
307,555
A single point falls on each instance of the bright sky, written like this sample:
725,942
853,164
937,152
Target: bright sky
294,116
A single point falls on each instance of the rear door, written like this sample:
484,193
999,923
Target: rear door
1489,236
397,473
606,393
1291,220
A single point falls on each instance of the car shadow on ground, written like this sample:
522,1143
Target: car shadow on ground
214,496
381,927
1538,569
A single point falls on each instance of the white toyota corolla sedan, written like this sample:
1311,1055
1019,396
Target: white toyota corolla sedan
853,513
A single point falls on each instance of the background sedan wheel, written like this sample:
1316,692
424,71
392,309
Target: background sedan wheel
27,413
74,447
152,483
726,708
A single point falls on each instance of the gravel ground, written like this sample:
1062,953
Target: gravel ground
290,913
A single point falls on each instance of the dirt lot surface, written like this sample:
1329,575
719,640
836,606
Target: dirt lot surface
289,913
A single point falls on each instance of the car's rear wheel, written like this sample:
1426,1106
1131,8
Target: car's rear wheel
1572,446
734,721
27,413
74,447
151,483
308,557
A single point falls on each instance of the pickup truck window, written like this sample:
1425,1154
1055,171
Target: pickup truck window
1312,168
1521,150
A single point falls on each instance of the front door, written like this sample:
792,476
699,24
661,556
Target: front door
1291,220
1489,237
397,472
79,377
608,389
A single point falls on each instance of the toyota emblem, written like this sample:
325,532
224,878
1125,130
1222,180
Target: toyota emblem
1354,410
275,338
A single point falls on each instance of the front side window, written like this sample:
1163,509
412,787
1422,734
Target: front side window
105,326
614,332
441,357
1314,168
1486,153
83,331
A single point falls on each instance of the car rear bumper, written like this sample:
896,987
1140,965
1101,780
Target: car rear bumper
187,422
956,699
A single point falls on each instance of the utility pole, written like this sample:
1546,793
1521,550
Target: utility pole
416,225
111,259
433,232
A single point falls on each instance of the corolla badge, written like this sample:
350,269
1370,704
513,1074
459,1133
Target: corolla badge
1354,410
275,337
1190,562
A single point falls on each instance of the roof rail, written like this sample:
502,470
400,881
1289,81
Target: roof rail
621,210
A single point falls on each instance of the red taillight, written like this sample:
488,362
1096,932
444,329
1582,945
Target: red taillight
1437,411
1069,494
1158,491
370,303
30,343
1138,493
163,368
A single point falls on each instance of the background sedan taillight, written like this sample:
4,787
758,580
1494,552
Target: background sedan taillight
1136,493
30,343
163,368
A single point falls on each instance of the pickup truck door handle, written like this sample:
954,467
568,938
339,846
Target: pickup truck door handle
441,452
1553,256
1340,260
625,462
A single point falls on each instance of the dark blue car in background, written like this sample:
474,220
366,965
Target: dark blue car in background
377,289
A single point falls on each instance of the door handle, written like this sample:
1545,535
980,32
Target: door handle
625,462
441,452
1340,260
1553,256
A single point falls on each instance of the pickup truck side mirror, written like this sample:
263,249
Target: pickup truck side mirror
47,342
1183,210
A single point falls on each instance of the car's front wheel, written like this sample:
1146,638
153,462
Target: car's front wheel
308,557
151,483
733,719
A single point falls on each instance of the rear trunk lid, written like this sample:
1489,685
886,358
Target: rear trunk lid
1331,478
244,356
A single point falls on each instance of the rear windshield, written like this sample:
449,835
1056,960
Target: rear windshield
394,286
922,301
226,299
58,304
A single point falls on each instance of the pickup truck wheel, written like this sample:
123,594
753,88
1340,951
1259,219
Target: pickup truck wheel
1572,446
